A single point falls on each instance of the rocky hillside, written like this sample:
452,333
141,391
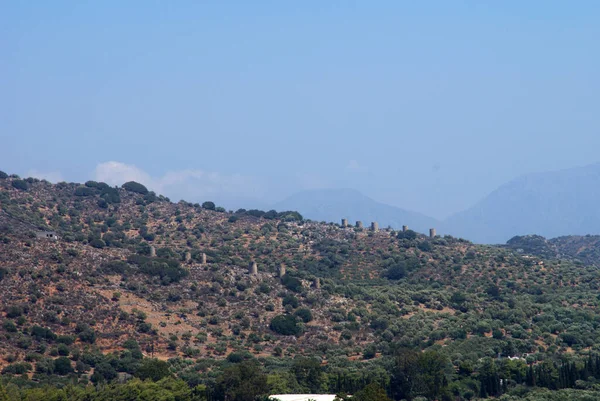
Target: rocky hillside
179,279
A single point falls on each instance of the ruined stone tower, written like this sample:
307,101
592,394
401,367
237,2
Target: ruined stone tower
375,226
253,268
282,270
344,223
188,257
152,251
359,224
405,228
317,283
203,258
432,233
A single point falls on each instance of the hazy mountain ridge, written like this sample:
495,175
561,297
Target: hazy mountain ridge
550,204
335,204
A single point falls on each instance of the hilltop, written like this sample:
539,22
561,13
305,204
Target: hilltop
135,275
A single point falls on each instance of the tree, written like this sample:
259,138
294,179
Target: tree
62,366
84,191
208,205
408,234
291,283
290,300
97,243
419,373
3,175
20,185
308,373
136,187
372,392
304,314
242,382
396,272
154,369
285,325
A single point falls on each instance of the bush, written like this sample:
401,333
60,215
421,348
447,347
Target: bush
62,366
304,314
84,191
290,300
41,333
291,283
9,326
396,272
285,325
3,175
408,234
168,270
153,369
17,368
97,243
209,205
136,187
20,185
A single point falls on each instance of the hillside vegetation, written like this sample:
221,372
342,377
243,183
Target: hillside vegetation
124,295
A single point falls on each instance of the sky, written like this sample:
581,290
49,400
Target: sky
427,106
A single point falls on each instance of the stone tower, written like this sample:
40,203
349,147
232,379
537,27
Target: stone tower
152,251
203,258
253,268
359,224
405,228
281,270
188,257
317,283
432,233
375,226
344,223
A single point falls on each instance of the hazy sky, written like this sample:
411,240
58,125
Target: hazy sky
424,105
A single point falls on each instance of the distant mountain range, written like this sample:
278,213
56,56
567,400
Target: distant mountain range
550,204
335,204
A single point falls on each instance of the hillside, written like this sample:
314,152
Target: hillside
335,204
550,204
127,279
582,249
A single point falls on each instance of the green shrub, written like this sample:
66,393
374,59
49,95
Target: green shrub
304,314
285,325
291,283
97,243
209,205
136,187
20,185
62,366
84,191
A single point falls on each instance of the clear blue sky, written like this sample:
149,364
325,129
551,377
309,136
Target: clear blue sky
424,105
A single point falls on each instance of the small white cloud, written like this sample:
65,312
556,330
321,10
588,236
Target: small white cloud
117,173
355,167
52,176
191,184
